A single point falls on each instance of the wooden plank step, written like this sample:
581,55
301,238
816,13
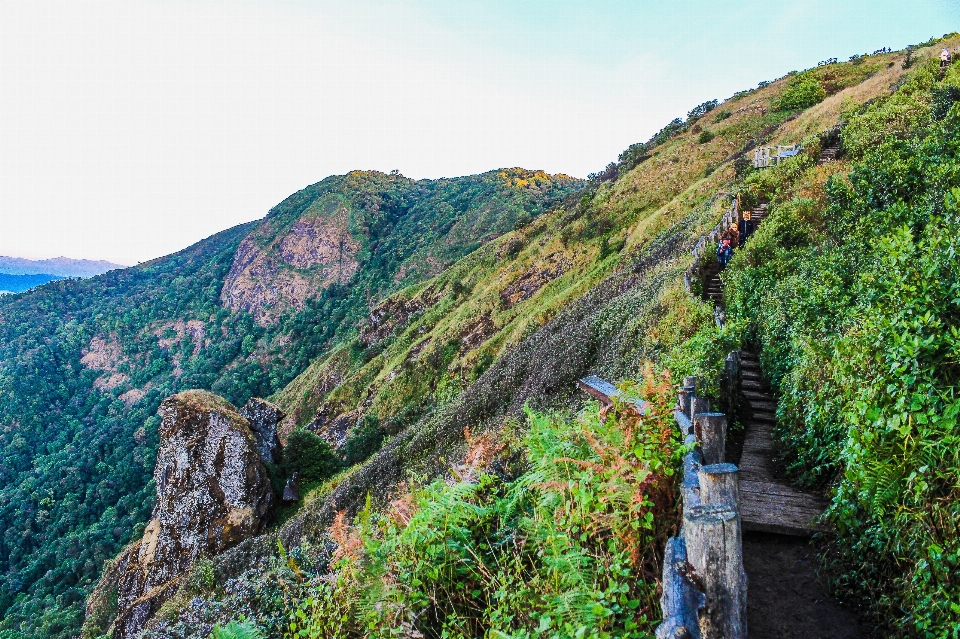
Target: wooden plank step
775,489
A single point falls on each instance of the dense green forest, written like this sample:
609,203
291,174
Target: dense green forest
85,364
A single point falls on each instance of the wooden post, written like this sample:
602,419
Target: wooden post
711,432
719,485
699,405
732,379
714,550
691,382
686,395
680,601
690,486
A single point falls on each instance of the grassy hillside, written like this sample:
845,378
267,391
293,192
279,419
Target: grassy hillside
850,290
443,370
85,364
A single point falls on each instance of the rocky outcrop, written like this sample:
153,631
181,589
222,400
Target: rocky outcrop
212,492
263,418
534,278
283,273
392,315
333,428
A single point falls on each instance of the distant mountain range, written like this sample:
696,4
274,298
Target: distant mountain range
20,283
56,267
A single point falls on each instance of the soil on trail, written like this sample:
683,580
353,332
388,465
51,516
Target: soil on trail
784,598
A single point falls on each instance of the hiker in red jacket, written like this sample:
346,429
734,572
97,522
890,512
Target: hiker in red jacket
724,252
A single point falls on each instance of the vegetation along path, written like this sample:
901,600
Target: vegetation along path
785,598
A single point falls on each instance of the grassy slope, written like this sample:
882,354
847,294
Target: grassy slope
602,316
77,445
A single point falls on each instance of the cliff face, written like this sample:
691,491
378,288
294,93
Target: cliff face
212,492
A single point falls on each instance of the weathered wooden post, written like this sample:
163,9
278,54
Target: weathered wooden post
690,486
680,600
731,373
691,382
711,432
714,550
719,485
686,396
698,405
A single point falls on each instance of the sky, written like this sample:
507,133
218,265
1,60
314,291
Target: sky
132,129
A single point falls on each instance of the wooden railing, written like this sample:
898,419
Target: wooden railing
708,243
766,156
704,584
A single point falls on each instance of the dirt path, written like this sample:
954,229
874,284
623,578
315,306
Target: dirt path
785,600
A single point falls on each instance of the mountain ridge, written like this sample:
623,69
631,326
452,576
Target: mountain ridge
57,266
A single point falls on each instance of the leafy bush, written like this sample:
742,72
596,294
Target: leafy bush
571,547
634,155
701,110
308,454
854,297
364,441
705,136
236,630
803,91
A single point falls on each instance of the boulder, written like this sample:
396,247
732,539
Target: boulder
212,493
264,417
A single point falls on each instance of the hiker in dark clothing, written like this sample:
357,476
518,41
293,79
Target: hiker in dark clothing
724,252
747,226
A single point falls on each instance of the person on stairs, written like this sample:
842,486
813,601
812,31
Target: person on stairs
732,234
944,58
724,252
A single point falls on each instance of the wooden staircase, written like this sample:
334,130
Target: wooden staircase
768,502
829,153
713,287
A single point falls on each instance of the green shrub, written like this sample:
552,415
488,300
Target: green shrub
306,453
236,630
365,440
570,548
803,91
705,136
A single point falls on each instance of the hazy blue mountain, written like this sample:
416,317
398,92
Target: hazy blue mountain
54,267
19,283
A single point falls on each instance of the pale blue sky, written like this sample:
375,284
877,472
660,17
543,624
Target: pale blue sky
132,128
